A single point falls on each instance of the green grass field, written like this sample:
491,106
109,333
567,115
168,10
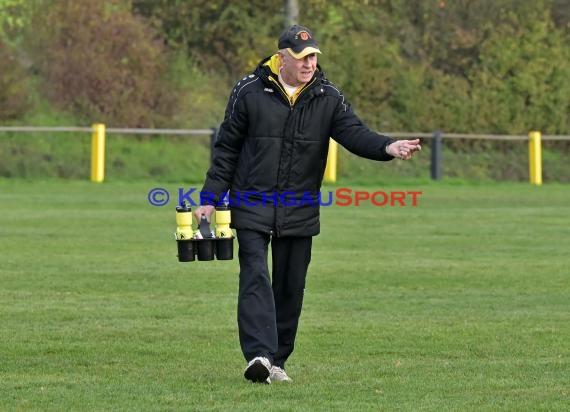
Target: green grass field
459,303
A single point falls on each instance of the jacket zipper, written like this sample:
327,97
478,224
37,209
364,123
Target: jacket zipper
286,96
291,104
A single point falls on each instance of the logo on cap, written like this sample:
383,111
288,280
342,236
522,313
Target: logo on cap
299,41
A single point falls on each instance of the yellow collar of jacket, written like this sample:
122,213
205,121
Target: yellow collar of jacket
274,63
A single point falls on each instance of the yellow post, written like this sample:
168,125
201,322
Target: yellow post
535,158
98,153
330,171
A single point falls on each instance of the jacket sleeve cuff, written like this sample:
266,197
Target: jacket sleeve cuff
387,156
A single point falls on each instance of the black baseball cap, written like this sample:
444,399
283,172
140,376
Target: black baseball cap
298,41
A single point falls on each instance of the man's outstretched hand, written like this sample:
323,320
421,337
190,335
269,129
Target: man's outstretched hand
404,149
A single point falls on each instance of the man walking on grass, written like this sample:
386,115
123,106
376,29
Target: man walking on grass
273,144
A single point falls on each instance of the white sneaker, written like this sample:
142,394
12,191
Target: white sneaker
258,370
279,375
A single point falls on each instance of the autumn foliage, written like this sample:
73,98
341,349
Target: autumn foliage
471,66
13,85
99,61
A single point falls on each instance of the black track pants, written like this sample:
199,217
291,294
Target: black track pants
269,308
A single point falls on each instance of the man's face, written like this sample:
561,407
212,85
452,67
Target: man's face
297,72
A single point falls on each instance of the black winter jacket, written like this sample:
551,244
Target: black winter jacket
271,154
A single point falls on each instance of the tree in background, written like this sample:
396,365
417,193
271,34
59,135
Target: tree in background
497,66
102,63
14,86
14,83
14,15
521,81
507,57
226,38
